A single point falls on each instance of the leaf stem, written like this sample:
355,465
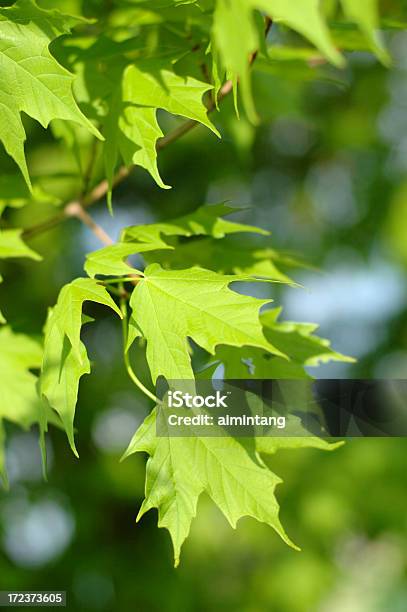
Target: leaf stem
129,369
123,279
117,291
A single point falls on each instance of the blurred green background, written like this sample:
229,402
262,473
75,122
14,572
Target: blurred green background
326,172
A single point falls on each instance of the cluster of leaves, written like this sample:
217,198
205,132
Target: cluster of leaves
105,79
143,56
168,307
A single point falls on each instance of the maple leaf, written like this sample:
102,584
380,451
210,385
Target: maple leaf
204,221
299,341
170,306
236,34
230,470
180,469
12,245
365,14
227,256
143,239
303,348
306,17
20,403
296,340
131,127
15,193
65,358
235,37
32,81
109,261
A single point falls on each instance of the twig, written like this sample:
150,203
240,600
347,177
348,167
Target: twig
75,209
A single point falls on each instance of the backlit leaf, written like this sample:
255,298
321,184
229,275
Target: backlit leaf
12,245
170,306
20,403
65,359
365,13
32,81
132,129
204,221
180,469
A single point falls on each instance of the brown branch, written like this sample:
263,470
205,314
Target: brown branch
95,195
102,188
75,209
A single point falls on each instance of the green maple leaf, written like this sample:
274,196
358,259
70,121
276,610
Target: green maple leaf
153,83
131,133
15,193
109,260
301,438
295,434
303,348
180,469
365,13
170,306
20,403
296,340
249,362
231,471
65,358
236,35
12,245
299,341
32,81
132,129
306,18
149,238
204,221
227,256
